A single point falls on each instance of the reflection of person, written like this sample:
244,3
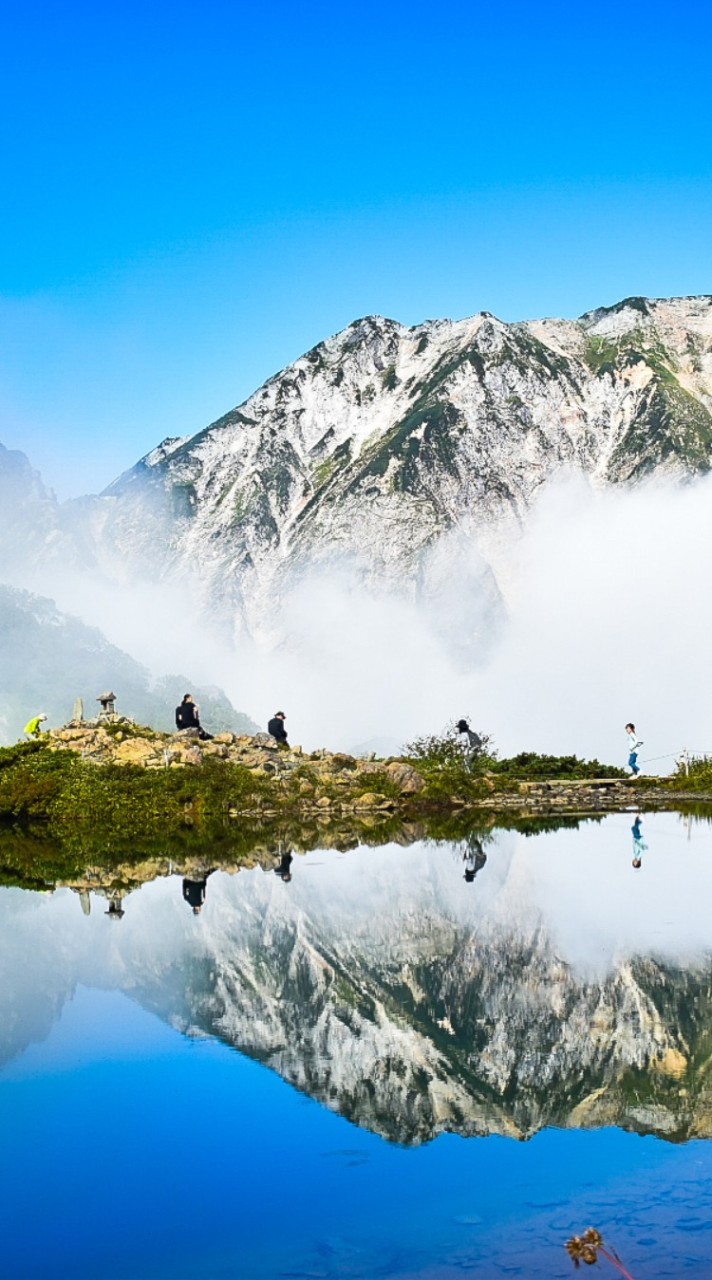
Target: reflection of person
474,858
633,743
32,728
194,892
188,716
283,870
116,910
277,729
639,845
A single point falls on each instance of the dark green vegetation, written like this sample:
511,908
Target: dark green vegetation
116,806
528,765
61,813
696,777
443,763
670,423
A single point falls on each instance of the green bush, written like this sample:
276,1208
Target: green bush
696,777
445,751
531,765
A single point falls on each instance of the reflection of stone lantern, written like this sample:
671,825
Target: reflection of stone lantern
108,710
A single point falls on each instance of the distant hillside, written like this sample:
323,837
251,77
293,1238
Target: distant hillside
48,659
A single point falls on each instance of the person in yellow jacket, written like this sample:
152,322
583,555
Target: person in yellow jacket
32,728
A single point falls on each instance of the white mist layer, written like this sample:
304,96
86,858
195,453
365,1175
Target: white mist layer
607,619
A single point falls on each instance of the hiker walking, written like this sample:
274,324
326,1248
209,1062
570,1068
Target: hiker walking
32,728
470,741
633,743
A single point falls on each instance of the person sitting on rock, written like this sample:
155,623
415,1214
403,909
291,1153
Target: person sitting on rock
277,729
32,728
188,716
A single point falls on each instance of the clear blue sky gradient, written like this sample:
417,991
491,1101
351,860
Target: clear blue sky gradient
194,194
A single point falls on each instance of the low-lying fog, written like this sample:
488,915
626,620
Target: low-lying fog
606,619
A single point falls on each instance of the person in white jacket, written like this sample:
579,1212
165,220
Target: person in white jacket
633,743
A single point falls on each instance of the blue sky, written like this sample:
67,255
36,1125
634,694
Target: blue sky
197,193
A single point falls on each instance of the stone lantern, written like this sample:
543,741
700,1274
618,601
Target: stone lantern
108,710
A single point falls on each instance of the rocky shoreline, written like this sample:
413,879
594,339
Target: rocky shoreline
323,781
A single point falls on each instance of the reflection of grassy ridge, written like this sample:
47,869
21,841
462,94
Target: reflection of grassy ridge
32,858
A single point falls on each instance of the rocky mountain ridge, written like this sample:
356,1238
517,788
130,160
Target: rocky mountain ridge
384,443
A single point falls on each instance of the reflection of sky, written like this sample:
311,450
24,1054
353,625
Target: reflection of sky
161,1158
596,906
146,1154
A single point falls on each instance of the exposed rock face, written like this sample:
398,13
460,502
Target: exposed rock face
384,444
382,439
29,513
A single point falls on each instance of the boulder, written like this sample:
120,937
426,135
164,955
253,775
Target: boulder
369,800
137,751
406,778
340,760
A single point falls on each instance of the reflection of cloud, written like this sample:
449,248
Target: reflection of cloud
379,983
598,912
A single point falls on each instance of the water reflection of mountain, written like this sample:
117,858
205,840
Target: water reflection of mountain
477,1038
412,1002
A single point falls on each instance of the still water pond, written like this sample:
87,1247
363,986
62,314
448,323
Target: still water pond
417,1061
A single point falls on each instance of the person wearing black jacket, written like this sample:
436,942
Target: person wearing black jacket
188,716
277,729
194,892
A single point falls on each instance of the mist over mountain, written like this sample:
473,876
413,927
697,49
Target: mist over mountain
370,512
48,659
382,439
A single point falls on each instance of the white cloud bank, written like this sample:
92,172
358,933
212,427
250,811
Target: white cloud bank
608,619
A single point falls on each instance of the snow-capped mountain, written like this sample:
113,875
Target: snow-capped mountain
384,443
384,438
